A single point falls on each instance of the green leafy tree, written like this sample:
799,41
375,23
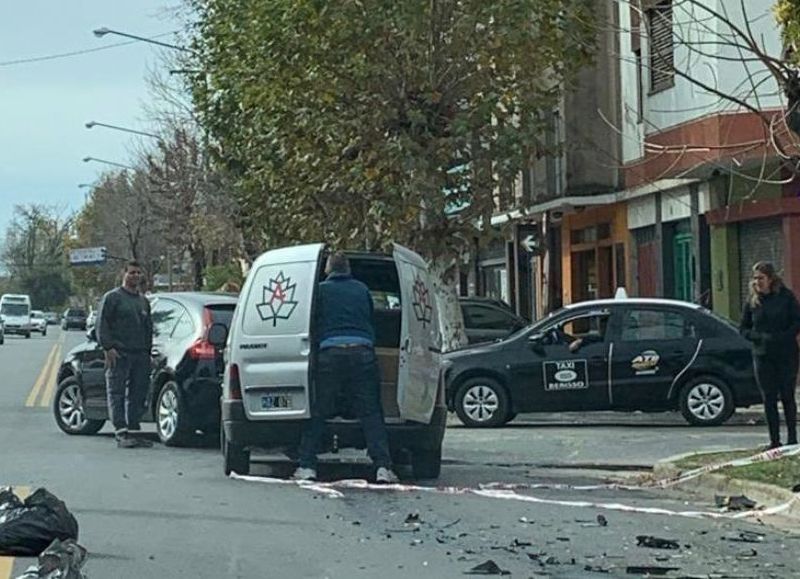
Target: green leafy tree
368,121
34,255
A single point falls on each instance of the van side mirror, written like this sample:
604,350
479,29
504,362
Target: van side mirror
91,334
217,335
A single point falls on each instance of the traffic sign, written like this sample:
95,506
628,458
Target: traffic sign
87,256
530,243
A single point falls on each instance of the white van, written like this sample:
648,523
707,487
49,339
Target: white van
15,310
271,355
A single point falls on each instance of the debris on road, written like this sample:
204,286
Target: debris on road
412,518
734,503
652,542
488,567
61,560
28,528
745,537
602,521
649,570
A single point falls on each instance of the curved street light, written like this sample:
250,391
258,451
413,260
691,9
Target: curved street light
100,32
96,160
92,124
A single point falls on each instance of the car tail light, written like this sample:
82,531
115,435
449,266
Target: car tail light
234,384
202,349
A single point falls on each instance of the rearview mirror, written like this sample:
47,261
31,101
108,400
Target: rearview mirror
217,335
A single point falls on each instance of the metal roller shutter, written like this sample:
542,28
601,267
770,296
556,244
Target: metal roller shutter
759,240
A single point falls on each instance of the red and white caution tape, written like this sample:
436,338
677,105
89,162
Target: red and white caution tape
766,456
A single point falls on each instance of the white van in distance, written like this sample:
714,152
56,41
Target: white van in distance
15,310
272,348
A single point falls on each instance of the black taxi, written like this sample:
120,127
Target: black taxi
619,354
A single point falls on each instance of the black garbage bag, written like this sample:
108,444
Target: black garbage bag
27,528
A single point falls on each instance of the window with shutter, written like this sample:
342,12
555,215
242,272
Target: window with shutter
662,48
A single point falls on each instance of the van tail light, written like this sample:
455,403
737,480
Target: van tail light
234,384
202,349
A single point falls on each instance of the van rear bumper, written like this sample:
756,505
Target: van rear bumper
285,434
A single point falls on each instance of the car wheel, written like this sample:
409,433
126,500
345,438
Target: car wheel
2,339
482,402
68,409
44,332
27,335
172,423
706,401
426,463
236,459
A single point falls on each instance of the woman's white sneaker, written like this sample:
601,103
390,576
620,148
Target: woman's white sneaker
386,476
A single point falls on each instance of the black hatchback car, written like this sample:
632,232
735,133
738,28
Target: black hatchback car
186,371
626,354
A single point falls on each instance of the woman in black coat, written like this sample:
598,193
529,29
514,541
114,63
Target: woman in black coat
771,321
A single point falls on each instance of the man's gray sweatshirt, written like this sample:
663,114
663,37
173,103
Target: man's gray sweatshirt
124,322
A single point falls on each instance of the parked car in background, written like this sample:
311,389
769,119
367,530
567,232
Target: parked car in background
73,319
52,318
623,354
38,322
186,371
488,319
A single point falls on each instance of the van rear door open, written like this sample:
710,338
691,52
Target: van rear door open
420,346
273,347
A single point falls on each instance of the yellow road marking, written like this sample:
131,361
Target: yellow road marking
40,380
50,381
7,563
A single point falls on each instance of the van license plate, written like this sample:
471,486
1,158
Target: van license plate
276,402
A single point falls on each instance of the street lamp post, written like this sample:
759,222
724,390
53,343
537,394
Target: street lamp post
92,124
100,32
96,160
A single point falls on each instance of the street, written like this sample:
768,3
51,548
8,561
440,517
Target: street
168,513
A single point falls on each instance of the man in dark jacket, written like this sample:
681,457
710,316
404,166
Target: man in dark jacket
771,321
125,332
346,364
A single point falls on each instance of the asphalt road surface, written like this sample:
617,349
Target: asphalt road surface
168,513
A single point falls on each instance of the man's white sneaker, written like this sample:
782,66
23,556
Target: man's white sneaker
386,476
305,474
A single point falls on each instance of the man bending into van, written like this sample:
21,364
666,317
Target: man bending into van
125,331
346,364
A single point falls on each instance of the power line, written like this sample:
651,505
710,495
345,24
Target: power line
74,53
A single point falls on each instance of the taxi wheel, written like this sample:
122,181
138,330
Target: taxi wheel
236,459
68,409
482,402
706,401
171,419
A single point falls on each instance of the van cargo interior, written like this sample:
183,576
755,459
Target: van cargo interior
380,276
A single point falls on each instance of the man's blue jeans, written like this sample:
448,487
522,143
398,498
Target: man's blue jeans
352,372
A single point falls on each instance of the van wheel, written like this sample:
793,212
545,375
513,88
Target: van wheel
482,402
171,419
68,409
426,463
706,401
236,459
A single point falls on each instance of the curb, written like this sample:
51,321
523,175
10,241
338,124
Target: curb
765,495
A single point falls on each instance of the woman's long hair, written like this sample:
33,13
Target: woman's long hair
775,282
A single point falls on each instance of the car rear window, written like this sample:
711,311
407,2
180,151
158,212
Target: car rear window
222,314
76,313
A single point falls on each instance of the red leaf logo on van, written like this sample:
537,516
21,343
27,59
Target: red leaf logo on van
423,310
278,301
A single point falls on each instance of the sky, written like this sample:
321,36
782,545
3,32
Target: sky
44,105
